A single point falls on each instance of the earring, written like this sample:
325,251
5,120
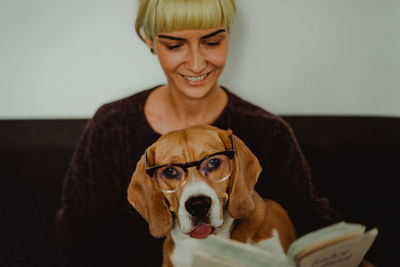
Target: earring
152,50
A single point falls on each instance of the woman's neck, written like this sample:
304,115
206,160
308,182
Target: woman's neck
193,111
167,110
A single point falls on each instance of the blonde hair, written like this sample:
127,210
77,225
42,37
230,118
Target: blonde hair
156,16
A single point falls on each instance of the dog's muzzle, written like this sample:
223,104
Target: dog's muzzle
198,206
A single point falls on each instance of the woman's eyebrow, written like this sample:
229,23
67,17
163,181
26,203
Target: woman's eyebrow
170,37
182,39
212,34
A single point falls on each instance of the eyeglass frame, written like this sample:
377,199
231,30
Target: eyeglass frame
184,166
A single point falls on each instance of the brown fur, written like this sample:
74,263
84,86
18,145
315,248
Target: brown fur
267,215
256,217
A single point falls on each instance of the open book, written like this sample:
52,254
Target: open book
342,244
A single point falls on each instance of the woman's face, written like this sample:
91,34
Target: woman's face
192,59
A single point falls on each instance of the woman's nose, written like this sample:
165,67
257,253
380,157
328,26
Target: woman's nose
196,61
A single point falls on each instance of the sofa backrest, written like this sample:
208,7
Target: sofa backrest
354,162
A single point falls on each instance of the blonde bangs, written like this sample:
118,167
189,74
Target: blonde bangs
177,15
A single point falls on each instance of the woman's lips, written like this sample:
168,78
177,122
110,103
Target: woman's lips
196,80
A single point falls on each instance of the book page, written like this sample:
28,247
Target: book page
339,245
201,259
324,237
221,252
348,253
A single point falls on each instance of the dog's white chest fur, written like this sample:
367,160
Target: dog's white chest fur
272,244
185,245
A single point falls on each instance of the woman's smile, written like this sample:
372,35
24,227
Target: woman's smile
196,80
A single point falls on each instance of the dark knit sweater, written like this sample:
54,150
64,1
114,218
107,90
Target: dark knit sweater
96,224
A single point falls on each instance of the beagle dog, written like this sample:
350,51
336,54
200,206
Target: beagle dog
199,181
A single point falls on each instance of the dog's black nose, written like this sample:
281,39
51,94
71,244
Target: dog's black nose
198,206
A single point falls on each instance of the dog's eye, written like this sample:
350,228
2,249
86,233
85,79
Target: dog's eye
170,173
216,167
213,164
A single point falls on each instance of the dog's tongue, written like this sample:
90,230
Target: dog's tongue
202,231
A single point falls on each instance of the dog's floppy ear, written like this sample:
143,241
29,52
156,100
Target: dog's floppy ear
246,169
149,201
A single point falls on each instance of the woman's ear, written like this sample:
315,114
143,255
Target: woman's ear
150,44
149,201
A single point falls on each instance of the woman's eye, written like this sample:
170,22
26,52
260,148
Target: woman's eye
173,47
210,43
213,43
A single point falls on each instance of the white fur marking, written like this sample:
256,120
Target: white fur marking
193,189
272,244
226,228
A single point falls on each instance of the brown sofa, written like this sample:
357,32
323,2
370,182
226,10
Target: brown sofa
355,162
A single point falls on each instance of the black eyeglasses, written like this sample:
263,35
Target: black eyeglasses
216,167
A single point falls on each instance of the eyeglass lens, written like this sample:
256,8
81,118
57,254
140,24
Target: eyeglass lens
213,168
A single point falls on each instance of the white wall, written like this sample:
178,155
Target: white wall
64,58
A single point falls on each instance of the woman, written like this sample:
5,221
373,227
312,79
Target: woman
190,39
